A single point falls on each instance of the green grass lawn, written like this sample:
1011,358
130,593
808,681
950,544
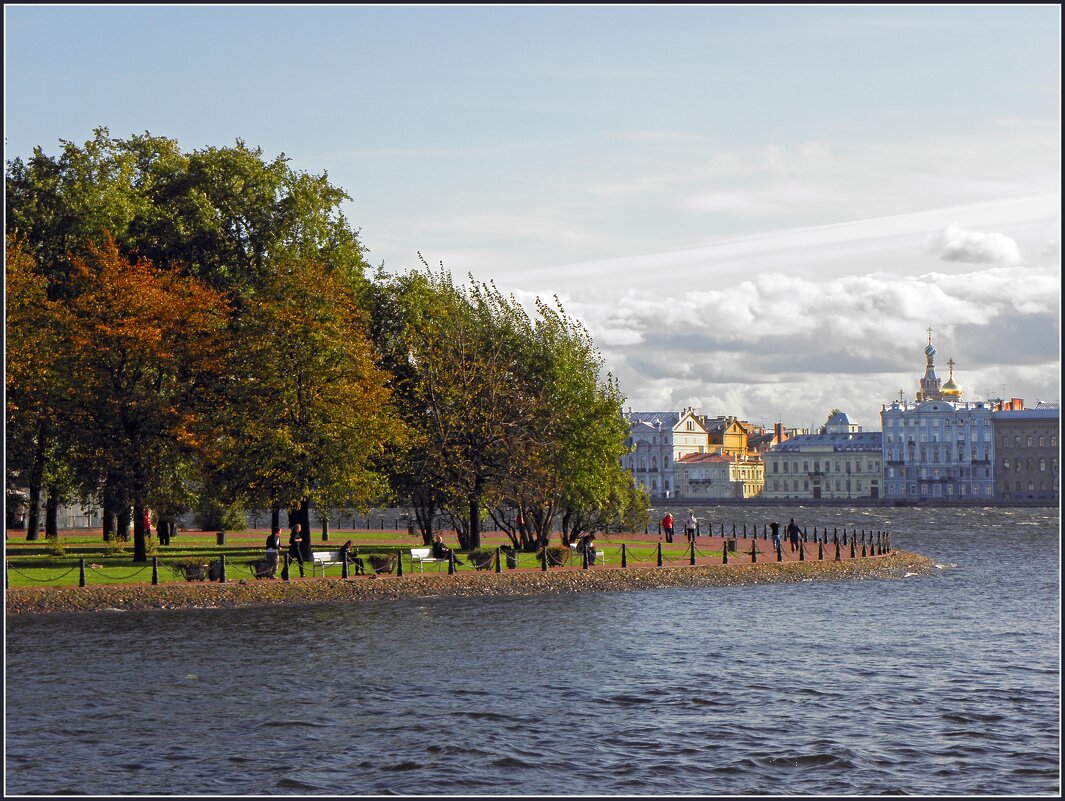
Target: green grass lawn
32,563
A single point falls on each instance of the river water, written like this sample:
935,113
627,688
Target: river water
938,685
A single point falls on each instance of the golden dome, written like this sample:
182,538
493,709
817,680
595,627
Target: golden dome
950,388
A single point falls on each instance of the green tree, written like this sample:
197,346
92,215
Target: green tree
306,414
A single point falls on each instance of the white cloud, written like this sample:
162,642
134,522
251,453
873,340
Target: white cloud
954,243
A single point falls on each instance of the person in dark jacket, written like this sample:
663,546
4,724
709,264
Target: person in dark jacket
360,566
295,541
441,551
793,535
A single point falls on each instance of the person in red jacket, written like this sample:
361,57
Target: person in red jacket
667,526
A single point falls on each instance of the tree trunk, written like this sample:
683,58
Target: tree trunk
107,516
275,518
123,517
474,531
140,550
34,512
51,515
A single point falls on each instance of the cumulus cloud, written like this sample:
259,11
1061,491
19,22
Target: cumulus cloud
954,243
780,346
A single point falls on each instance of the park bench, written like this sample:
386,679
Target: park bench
421,556
325,559
600,554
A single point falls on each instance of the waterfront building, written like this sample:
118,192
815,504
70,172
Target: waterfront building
657,440
1026,454
717,476
727,435
840,462
937,446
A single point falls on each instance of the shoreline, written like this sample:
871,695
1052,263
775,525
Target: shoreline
246,593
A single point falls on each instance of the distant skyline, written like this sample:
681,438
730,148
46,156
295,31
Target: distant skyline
756,211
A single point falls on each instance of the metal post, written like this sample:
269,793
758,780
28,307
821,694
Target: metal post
863,550
724,554
155,570
802,551
81,575
693,554
754,553
584,559
660,554
399,564
745,531
624,556
804,534
343,564
451,563
765,532
854,552
839,557
284,568
820,551
499,565
780,554
222,569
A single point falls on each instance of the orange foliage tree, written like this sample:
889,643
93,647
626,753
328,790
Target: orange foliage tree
146,348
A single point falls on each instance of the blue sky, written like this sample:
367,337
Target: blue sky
757,211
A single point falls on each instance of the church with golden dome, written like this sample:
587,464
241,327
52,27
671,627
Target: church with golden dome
939,446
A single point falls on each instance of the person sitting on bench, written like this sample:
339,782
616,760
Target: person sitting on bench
345,552
441,551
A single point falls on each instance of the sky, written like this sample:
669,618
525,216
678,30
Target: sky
755,211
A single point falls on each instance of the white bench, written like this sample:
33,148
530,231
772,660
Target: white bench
325,559
600,554
421,556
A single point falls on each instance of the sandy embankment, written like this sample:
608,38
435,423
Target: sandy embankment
48,600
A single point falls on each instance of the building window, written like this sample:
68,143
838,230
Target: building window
1029,440
1042,465
1042,441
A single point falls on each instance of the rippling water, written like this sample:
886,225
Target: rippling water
943,684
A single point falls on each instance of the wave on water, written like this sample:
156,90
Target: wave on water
945,566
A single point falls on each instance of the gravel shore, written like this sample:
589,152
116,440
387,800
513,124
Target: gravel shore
58,600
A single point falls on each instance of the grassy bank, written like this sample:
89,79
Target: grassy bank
55,599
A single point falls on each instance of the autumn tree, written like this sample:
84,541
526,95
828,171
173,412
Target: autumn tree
146,346
306,415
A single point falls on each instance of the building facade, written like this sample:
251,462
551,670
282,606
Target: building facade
1026,454
840,462
718,476
937,446
657,440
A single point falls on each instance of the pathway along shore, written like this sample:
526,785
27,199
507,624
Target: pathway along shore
249,592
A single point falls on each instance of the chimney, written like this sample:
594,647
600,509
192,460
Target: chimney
778,433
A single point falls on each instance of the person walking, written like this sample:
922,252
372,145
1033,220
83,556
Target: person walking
774,527
691,526
295,541
793,535
667,527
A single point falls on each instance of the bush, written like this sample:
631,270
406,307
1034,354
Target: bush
55,547
215,516
558,555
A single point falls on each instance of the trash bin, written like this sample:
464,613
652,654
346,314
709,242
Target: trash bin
511,556
732,546
221,537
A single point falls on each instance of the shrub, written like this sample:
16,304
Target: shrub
482,558
55,547
558,555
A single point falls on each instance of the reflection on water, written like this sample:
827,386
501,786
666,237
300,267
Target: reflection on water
945,684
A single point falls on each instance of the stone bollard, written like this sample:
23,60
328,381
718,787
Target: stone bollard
854,553
693,553
754,553
343,564
284,569
499,563
624,556
81,575
820,552
839,557
222,569
451,563
660,554
155,571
